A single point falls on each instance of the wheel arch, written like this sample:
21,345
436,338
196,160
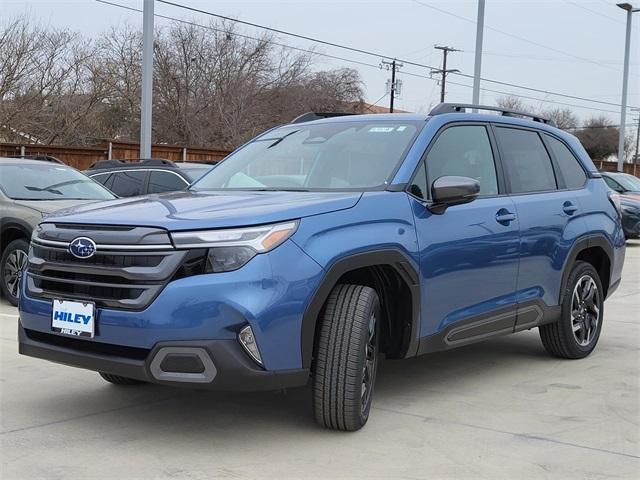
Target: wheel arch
13,229
378,269
593,249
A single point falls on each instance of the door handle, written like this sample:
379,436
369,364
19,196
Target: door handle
505,217
569,208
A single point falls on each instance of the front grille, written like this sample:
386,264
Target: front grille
134,260
126,276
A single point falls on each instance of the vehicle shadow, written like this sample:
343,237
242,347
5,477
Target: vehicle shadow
176,412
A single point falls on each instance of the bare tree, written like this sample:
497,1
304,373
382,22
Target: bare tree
212,85
599,137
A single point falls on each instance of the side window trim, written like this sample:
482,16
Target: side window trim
509,189
500,177
556,166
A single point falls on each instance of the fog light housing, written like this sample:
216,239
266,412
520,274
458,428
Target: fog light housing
248,342
227,259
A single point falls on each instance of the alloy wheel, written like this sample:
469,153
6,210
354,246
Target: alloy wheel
15,264
585,310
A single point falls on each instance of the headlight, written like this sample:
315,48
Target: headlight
230,249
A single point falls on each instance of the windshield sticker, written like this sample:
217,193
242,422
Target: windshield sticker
381,129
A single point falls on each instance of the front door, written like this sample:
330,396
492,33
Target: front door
469,254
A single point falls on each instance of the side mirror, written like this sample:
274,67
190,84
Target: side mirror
451,190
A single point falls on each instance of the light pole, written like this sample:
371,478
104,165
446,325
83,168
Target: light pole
478,60
625,80
146,104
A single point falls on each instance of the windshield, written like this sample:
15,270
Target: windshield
628,182
48,182
353,155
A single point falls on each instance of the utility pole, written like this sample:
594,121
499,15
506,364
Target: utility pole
625,79
443,71
636,158
393,86
146,103
477,67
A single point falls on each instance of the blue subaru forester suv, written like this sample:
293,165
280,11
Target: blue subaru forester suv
324,243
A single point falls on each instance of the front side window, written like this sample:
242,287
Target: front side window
570,169
464,151
345,155
526,160
47,182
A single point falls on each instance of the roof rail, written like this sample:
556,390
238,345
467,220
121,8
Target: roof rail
115,163
462,108
310,116
106,164
43,158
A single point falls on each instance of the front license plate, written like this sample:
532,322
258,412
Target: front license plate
73,318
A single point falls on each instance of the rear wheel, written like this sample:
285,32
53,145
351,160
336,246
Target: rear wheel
12,264
576,334
346,358
118,380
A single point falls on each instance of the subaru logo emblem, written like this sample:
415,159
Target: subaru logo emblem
82,247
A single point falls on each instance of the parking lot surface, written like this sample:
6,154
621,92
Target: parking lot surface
498,409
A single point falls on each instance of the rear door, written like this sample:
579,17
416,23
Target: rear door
549,211
468,254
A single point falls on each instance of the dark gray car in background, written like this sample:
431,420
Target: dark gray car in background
29,190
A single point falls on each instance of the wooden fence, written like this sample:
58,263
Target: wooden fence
82,157
630,168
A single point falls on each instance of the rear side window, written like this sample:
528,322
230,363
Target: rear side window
103,178
165,182
527,162
128,184
464,151
569,166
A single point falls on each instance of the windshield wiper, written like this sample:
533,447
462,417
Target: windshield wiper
44,189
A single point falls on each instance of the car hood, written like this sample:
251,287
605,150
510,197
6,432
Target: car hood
201,210
631,199
49,206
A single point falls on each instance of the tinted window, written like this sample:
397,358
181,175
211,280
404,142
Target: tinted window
102,178
570,169
418,185
526,160
464,151
165,182
128,184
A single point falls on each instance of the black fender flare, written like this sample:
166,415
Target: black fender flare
7,223
395,258
583,243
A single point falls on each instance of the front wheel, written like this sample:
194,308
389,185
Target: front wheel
346,357
12,264
576,334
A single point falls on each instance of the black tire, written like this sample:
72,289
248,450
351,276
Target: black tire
118,380
559,338
346,358
12,258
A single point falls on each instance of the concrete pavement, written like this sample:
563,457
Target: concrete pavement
499,409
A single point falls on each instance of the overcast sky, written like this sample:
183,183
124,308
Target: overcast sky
569,47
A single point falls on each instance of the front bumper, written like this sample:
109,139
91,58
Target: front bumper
631,224
232,369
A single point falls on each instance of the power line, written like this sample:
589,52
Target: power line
406,62
358,62
502,32
576,4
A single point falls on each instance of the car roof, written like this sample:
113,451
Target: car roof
28,161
